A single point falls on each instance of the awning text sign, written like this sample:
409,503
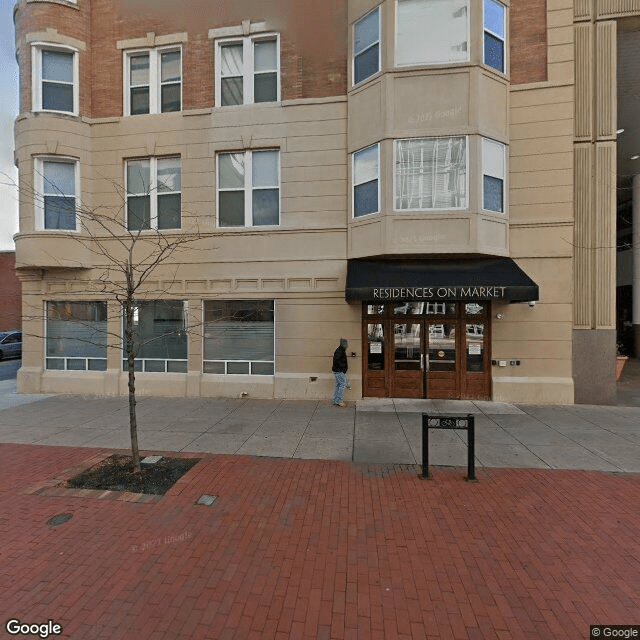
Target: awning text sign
438,293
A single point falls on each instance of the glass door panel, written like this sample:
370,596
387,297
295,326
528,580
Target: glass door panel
407,346
475,347
375,347
442,347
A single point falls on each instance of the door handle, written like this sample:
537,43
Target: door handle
422,362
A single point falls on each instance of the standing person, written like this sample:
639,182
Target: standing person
339,369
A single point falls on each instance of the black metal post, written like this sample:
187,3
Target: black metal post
471,449
425,446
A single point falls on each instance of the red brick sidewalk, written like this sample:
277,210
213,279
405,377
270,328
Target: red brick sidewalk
321,549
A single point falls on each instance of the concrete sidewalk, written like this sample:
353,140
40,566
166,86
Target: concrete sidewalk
374,431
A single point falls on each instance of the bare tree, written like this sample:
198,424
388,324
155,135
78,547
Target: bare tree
127,252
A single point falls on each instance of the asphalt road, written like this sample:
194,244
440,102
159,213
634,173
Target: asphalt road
9,368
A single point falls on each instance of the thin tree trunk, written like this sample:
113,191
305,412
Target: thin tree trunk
130,348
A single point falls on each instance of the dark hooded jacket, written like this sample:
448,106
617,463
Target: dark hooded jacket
340,358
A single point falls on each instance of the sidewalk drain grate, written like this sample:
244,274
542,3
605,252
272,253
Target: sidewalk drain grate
59,519
206,500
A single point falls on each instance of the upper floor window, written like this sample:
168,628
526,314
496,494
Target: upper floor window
247,71
56,185
494,33
493,175
431,173
432,31
153,81
249,188
153,193
366,46
366,175
55,79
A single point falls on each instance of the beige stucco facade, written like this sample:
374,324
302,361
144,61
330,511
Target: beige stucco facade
557,225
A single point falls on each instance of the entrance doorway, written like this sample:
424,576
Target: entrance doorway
427,350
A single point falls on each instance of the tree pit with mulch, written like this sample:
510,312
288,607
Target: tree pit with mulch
115,473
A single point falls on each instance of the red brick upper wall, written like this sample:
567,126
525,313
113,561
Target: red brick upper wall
528,37
313,39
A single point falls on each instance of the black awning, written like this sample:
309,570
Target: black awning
450,279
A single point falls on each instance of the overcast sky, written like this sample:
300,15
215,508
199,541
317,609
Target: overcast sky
8,112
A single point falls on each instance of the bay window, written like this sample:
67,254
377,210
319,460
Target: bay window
76,336
493,175
366,46
494,34
432,31
239,337
430,173
366,176
56,182
55,78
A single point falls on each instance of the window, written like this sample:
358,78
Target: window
366,46
239,337
431,173
432,31
366,172
55,79
56,184
159,336
76,336
493,174
494,30
248,189
153,194
153,79
247,71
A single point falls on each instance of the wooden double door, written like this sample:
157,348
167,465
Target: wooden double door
427,350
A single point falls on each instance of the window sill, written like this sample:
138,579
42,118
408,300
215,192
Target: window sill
52,112
72,4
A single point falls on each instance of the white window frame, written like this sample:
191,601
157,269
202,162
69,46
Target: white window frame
355,184
248,190
36,76
431,62
152,192
155,81
378,42
226,362
485,29
503,177
38,181
395,152
248,67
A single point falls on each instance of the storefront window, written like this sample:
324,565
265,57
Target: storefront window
160,336
76,336
239,337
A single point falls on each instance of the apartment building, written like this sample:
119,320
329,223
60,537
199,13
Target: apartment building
416,176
